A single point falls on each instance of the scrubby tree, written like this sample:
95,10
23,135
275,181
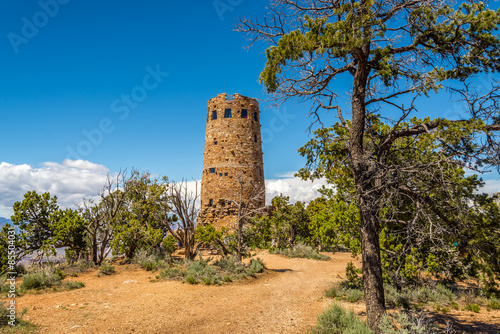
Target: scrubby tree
137,226
69,230
103,214
34,216
43,227
390,53
289,222
333,224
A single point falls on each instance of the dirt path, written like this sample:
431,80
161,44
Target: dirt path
285,300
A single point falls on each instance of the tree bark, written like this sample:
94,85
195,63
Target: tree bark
365,181
372,270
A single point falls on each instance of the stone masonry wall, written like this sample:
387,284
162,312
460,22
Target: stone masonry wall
233,152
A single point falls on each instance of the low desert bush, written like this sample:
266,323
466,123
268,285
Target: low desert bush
473,307
337,320
151,261
191,279
332,292
224,270
396,298
44,278
255,266
354,295
494,304
409,323
302,251
72,285
106,269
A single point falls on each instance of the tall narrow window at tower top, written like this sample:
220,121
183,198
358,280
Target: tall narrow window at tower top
227,113
214,114
244,113
255,116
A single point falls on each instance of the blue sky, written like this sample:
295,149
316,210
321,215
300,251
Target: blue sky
68,79
64,80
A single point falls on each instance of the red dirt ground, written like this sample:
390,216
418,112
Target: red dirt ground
286,299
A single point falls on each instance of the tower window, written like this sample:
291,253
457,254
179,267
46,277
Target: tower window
255,138
227,113
244,113
214,114
225,174
255,116
212,170
220,174
215,142
210,202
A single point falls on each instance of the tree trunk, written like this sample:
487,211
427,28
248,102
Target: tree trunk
364,179
372,270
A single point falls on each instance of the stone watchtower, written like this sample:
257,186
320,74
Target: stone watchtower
233,156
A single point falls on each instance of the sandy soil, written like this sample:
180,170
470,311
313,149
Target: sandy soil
286,299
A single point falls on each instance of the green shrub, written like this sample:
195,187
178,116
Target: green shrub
454,306
106,268
150,261
72,285
84,265
191,279
354,295
60,274
3,286
473,307
224,270
424,295
337,320
172,273
351,274
229,263
494,304
206,281
40,280
169,244
20,270
445,294
302,251
4,321
396,298
332,292
255,266
407,323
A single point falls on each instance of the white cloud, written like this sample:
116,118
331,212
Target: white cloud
491,186
74,180
294,187
70,181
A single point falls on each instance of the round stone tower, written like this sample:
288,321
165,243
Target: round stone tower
232,158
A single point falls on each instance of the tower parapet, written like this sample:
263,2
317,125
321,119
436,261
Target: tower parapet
233,156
